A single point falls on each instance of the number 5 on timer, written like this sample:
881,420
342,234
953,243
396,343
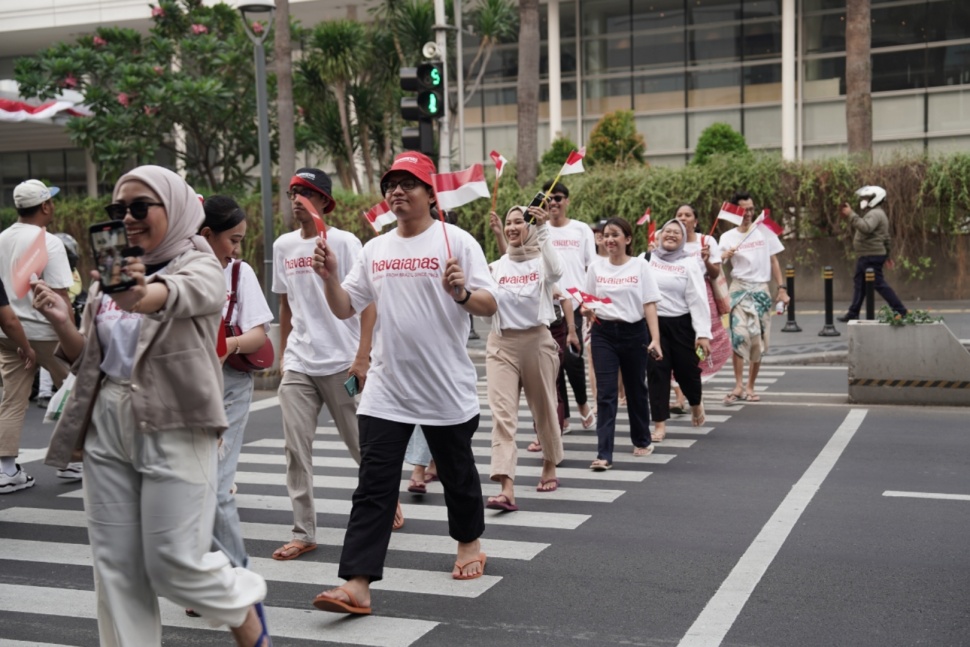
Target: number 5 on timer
425,106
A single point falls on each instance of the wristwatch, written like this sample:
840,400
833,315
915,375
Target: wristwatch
468,295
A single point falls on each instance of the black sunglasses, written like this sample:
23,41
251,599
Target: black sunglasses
139,210
302,190
408,184
557,198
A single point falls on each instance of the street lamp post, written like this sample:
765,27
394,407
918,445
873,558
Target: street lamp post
252,11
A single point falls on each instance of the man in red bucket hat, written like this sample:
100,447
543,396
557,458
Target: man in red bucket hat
420,374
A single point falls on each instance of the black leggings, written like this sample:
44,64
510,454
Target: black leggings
677,343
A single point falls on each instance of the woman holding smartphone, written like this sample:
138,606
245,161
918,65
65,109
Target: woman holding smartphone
624,330
685,326
521,353
147,413
224,229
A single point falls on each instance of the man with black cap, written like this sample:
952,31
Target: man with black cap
319,351
425,277
35,209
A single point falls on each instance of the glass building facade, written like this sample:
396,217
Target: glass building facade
682,65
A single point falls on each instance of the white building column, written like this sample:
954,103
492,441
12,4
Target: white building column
555,74
788,79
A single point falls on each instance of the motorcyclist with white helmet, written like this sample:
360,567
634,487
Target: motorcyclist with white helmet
871,244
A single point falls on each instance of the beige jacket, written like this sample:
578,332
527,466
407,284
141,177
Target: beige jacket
176,381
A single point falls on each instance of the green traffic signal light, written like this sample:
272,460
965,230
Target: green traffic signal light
428,81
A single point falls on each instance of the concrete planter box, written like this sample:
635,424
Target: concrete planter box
914,364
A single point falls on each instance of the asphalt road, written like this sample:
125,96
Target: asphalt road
800,520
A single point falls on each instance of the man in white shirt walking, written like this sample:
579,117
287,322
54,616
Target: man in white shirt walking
754,262
319,351
577,247
422,374
35,210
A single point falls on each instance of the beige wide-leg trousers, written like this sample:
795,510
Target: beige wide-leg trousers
522,360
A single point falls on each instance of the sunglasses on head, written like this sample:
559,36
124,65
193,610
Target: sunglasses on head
557,198
139,210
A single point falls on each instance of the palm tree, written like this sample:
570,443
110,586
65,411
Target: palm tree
527,92
858,79
336,51
284,104
494,22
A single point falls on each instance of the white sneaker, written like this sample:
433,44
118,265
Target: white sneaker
73,472
19,481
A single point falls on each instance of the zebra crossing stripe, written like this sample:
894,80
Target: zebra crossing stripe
323,574
586,495
405,542
622,421
575,439
483,468
295,624
21,643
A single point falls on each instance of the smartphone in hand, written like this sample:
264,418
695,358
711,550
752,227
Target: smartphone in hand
352,386
110,245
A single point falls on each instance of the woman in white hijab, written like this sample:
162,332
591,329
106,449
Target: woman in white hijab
685,327
146,414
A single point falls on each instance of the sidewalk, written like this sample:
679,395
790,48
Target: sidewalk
807,347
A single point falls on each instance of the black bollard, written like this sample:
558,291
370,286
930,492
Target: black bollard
828,330
791,325
870,294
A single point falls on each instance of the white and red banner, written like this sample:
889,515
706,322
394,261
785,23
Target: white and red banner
16,111
731,213
574,163
380,215
456,189
500,163
30,265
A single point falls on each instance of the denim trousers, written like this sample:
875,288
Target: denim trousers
227,533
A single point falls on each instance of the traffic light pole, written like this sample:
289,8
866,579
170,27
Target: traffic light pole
444,127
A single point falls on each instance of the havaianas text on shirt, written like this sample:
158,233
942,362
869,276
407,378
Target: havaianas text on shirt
619,280
519,280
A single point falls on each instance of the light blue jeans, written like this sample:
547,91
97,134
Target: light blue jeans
227,533
418,452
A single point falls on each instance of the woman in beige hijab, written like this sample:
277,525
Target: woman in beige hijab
146,414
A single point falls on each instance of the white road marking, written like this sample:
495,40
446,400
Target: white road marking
267,403
296,624
717,618
928,495
402,541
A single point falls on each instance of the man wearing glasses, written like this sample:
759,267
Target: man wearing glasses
754,262
319,351
577,247
422,374
35,209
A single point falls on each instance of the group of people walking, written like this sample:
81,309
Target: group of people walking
376,333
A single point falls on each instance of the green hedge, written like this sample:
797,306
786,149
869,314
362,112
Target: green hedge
928,200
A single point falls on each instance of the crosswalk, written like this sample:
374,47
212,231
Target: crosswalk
420,554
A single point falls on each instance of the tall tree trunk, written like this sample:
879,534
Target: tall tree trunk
284,106
527,150
858,79
340,91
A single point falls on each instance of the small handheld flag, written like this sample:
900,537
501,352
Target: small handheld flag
651,227
587,299
500,163
772,226
574,163
317,220
456,189
731,213
30,264
380,215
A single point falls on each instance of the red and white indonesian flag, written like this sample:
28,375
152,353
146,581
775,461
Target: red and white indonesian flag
317,218
588,299
731,213
29,265
500,163
380,215
456,189
765,219
652,227
574,163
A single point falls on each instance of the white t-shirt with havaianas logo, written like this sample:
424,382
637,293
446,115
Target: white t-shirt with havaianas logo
577,247
320,343
628,286
420,370
752,261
